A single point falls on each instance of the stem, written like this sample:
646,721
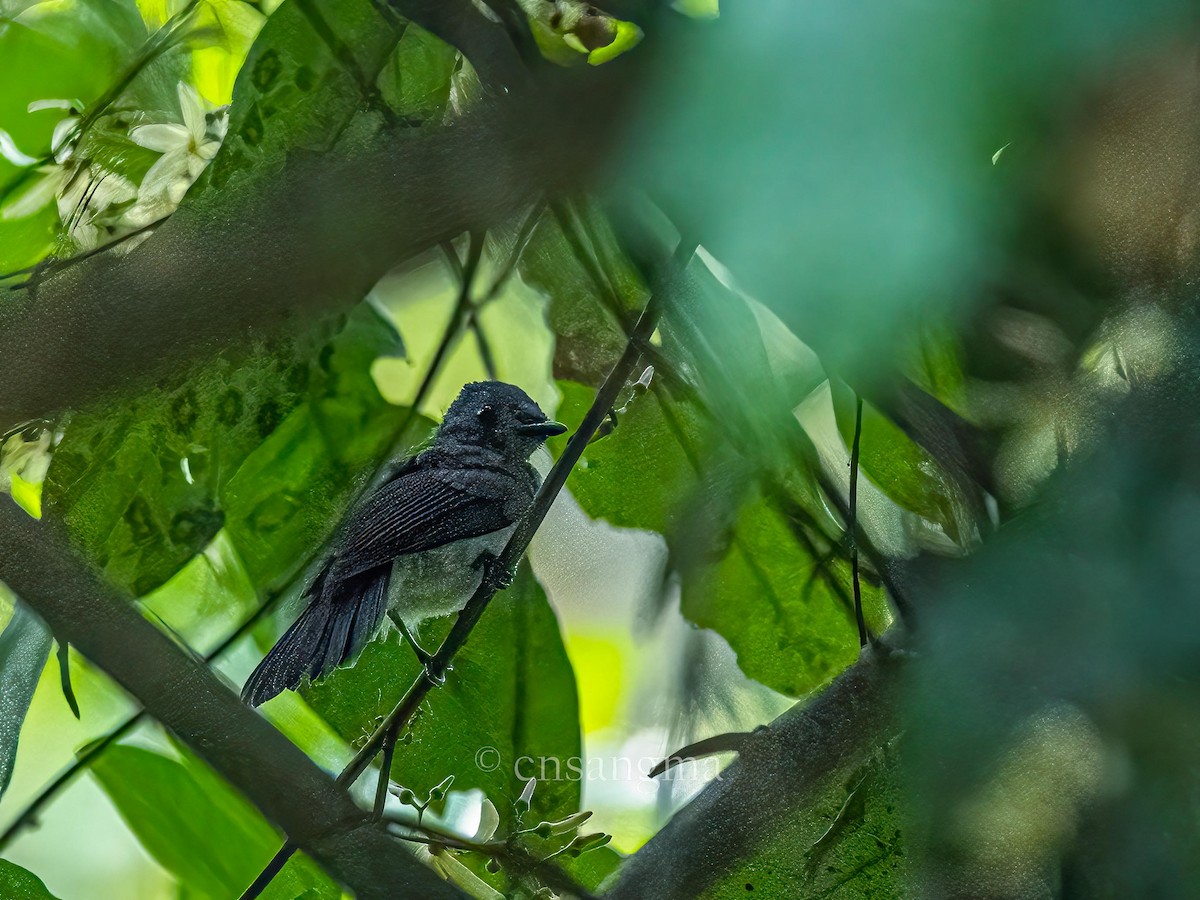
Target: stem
853,531
385,772
278,861
65,777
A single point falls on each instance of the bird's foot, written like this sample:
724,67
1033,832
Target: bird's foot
497,575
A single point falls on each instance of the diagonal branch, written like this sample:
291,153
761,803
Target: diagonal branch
29,814
779,769
230,267
181,692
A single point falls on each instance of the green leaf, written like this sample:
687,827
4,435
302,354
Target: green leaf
509,702
637,476
415,82
18,884
847,845
24,649
781,611
198,828
317,67
901,469
272,443
573,258
592,867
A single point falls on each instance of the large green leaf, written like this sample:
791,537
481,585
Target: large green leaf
272,443
573,258
198,828
319,65
18,884
24,648
509,703
785,611
637,476
847,845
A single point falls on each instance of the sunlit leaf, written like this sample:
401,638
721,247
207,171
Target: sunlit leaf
638,476
785,608
198,828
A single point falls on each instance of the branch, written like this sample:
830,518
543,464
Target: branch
780,768
236,266
182,694
30,813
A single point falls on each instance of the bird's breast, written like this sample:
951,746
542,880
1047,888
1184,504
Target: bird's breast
440,581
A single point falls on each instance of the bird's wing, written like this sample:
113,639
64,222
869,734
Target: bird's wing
427,507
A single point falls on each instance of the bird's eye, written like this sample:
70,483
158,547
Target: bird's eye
486,414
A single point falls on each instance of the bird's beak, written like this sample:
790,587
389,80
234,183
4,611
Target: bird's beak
542,429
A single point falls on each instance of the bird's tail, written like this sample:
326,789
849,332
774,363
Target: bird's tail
335,626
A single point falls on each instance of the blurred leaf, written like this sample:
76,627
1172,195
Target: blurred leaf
845,846
198,828
937,363
784,137
24,649
509,702
416,78
146,486
18,884
1055,712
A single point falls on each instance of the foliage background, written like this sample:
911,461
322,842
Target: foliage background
978,218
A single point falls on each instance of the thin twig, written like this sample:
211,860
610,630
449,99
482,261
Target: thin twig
50,266
29,815
519,859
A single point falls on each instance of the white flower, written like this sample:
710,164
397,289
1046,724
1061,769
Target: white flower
38,194
186,149
88,193
84,193
489,821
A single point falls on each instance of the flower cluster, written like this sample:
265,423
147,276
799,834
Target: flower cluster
95,202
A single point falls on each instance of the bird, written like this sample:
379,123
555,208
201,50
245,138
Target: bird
418,544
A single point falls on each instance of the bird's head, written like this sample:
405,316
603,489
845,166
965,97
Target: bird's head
497,415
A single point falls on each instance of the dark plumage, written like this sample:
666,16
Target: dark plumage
420,538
